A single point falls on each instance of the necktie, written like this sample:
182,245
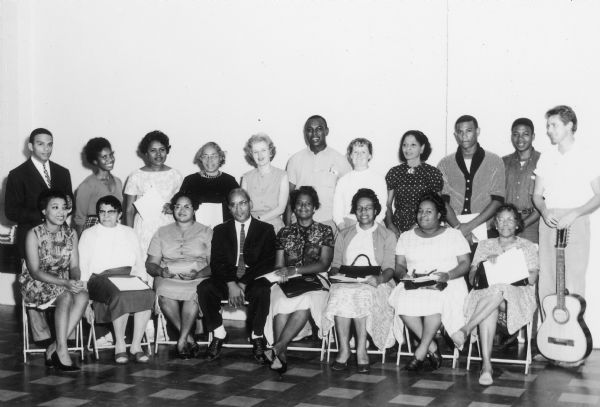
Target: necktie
241,268
47,176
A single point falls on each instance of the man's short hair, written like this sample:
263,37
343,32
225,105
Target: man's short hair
523,121
464,119
39,130
565,113
235,191
316,117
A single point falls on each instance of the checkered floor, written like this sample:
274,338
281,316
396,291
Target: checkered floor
236,380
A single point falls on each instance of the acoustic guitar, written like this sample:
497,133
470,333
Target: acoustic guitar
563,336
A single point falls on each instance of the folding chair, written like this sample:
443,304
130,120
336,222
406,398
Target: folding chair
26,345
92,343
331,337
161,326
526,361
454,356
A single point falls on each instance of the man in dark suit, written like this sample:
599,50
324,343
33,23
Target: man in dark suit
23,187
242,250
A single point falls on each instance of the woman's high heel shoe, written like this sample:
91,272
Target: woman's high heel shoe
59,365
277,365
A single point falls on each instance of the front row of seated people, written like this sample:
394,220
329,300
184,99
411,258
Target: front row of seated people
239,252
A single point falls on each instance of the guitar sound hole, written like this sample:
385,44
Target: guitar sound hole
561,316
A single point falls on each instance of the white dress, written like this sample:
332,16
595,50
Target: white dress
166,183
424,255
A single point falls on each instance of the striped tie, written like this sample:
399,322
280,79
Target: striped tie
47,176
241,268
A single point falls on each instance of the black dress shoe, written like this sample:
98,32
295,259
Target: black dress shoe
415,365
194,350
214,349
184,353
435,359
363,368
259,345
59,365
339,366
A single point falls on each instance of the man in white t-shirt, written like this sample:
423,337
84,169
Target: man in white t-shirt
567,190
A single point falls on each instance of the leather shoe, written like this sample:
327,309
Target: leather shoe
363,368
259,345
435,359
214,349
415,365
59,365
339,366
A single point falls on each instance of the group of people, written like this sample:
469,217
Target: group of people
281,242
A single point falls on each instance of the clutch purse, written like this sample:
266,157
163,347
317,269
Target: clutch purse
430,284
360,271
303,284
480,280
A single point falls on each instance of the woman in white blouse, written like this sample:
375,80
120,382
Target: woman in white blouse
110,249
359,153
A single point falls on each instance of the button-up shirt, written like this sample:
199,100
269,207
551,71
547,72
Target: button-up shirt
520,179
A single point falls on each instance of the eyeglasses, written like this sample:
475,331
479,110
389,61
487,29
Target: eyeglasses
238,204
209,157
110,212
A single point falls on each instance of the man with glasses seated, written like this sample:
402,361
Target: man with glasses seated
242,249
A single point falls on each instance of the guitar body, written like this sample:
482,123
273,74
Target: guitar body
564,336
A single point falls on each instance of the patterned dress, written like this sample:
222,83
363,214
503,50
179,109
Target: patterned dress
301,246
166,183
54,251
408,185
520,301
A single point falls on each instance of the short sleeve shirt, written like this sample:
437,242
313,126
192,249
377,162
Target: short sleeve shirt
321,171
408,185
176,246
302,245
567,176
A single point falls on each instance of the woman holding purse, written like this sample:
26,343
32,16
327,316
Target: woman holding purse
364,302
306,248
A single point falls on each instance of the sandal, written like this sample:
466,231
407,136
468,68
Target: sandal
140,357
121,358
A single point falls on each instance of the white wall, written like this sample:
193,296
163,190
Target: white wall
213,70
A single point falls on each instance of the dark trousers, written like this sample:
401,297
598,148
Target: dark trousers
258,294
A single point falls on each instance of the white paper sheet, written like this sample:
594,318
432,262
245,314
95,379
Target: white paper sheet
149,205
210,214
480,232
128,283
509,267
341,278
274,278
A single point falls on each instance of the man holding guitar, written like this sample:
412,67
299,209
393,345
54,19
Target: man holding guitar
567,190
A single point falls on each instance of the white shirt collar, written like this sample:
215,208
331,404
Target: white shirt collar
40,167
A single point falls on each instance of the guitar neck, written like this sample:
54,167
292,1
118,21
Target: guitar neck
560,277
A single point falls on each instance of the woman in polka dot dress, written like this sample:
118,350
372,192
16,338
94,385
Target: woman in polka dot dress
409,180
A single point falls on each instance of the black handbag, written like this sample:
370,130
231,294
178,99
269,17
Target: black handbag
360,271
303,284
430,284
480,280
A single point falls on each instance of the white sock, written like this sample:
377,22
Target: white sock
220,332
254,336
